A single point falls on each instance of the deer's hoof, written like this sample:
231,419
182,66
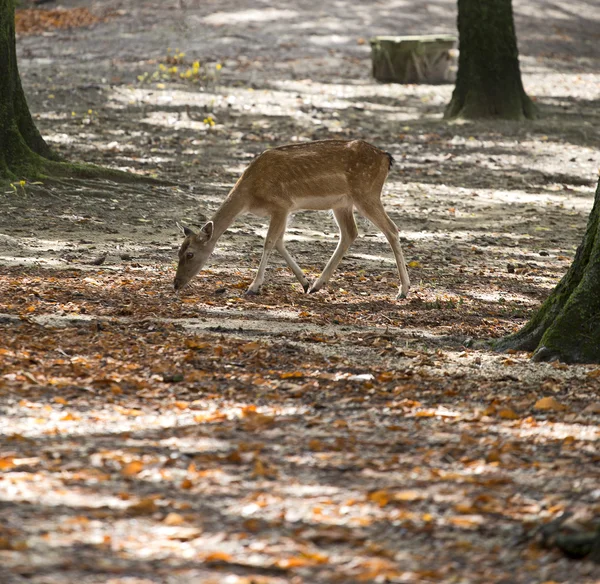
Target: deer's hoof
401,296
252,292
306,287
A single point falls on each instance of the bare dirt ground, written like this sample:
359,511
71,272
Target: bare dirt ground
149,437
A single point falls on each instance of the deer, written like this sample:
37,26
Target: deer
336,175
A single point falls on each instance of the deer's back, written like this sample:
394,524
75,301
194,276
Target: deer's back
314,175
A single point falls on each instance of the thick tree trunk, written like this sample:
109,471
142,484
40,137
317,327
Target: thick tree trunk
488,83
22,149
567,326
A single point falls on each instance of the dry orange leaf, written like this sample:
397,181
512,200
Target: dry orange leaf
465,509
217,557
131,412
489,411
132,468
316,557
209,417
550,404
143,507
425,414
291,375
262,470
382,498
174,519
466,521
493,456
234,457
293,562
249,347
408,495
6,463
259,468
507,414
197,344
316,445
255,420
385,376
70,417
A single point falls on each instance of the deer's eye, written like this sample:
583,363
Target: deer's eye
189,255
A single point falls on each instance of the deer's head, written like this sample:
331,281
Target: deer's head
193,253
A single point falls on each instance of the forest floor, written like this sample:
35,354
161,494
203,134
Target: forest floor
206,436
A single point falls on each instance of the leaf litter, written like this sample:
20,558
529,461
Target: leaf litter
337,437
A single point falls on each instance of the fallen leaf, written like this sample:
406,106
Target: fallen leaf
408,495
466,521
6,463
174,519
550,404
382,498
143,507
593,408
249,347
217,557
132,468
507,414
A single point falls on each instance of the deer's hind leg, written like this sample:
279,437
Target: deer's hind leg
373,210
344,217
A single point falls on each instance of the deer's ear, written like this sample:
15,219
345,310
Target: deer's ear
208,229
184,229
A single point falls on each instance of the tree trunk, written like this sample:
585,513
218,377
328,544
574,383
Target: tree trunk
488,83
22,148
567,326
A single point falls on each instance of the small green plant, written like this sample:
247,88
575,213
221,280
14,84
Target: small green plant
90,118
176,67
19,188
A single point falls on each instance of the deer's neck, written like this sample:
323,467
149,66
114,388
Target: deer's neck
226,214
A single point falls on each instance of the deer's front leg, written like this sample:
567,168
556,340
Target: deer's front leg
291,262
274,234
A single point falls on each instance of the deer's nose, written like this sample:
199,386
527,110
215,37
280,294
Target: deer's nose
176,284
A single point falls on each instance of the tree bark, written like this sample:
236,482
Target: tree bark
22,148
488,83
567,325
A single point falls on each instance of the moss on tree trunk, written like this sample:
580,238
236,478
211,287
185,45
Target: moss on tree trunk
488,83
567,325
